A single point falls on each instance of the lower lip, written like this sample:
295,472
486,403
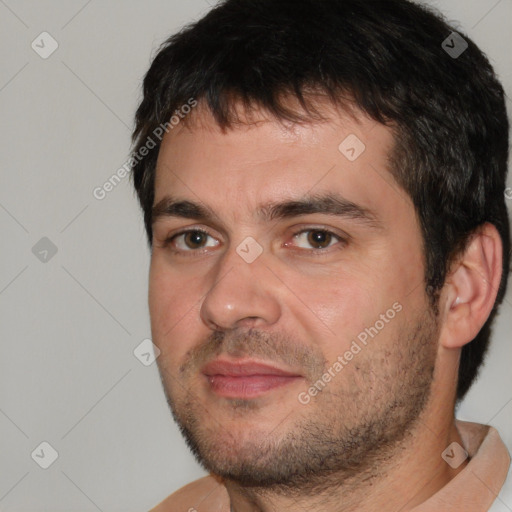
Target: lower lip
248,386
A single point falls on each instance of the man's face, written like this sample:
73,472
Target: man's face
333,298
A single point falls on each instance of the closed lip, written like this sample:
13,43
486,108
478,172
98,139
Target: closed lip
243,368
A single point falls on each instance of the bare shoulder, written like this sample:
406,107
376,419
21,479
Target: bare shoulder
207,494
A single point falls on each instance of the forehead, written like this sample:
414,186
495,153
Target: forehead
264,160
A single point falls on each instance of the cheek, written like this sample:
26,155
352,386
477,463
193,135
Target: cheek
344,304
173,300
331,308
160,295
339,305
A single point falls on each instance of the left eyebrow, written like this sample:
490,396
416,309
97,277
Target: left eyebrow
327,204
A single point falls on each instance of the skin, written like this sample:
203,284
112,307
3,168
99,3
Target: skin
372,438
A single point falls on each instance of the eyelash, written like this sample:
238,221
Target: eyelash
197,252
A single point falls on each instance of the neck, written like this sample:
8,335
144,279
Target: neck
407,476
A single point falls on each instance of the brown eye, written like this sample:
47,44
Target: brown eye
319,239
194,239
316,239
191,240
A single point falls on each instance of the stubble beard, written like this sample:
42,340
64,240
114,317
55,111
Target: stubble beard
354,427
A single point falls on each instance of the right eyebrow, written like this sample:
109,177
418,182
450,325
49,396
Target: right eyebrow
170,207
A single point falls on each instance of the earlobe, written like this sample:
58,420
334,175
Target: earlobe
470,290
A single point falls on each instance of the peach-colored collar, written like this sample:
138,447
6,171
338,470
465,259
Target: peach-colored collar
475,488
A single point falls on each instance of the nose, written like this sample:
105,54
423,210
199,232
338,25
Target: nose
242,294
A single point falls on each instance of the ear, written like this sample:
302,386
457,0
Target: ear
471,287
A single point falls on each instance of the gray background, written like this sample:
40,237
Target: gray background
69,325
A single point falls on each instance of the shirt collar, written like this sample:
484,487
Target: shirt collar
477,485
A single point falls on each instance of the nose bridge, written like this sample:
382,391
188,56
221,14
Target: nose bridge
242,290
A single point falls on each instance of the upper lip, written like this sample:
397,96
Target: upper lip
243,368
